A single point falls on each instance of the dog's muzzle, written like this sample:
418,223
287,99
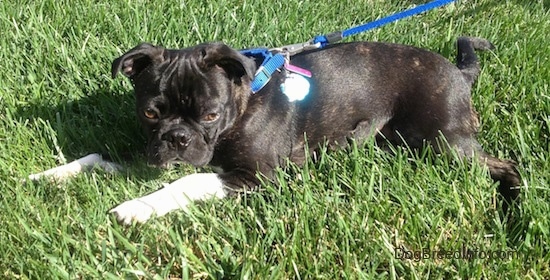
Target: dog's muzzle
178,138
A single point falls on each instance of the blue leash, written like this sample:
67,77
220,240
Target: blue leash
272,62
339,35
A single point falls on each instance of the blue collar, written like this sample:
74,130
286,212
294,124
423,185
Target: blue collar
271,62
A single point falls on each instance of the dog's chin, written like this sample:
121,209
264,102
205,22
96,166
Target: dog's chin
161,165
169,160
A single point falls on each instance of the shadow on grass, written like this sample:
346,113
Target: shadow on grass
101,122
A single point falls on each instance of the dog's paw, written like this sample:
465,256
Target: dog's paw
175,196
75,167
133,210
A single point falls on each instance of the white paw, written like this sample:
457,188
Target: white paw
175,196
77,166
133,210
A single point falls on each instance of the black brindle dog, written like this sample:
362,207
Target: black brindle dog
197,107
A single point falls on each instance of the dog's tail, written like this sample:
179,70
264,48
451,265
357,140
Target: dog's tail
466,58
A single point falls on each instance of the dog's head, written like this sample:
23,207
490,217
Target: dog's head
186,98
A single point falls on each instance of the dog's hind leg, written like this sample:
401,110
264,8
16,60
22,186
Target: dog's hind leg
505,172
501,170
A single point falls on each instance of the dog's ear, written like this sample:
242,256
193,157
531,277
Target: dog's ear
236,65
135,60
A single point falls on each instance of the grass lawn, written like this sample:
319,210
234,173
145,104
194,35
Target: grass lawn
354,214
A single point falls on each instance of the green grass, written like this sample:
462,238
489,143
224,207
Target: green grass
342,217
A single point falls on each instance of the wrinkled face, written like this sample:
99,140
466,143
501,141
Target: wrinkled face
186,98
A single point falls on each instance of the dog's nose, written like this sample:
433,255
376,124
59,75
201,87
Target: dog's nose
177,137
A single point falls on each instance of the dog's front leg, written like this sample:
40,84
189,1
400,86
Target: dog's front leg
75,167
176,195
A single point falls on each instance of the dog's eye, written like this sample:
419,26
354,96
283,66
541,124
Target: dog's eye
150,114
210,117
